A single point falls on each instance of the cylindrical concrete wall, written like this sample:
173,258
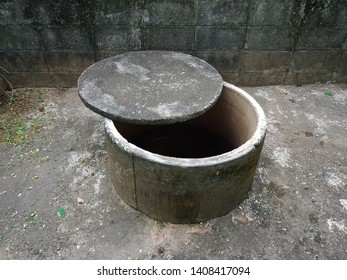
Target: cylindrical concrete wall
187,190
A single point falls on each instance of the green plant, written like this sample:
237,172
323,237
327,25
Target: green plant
328,93
16,131
159,223
40,96
103,145
29,219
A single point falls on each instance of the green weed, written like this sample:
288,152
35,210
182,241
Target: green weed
40,96
159,223
16,130
103,145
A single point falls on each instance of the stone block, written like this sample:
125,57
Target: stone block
342,14
106,54
223,61
271,12
322,13
59,13
316,61
262,78
322,38
231,77
23,60
344,45
69,61
66,37
169,12
265,60
340,77
178,38
308,77
6,38
343,62
21,37
114,38
340,73
13,12
64,79
30,79
266,38
220,38
222,12
123,12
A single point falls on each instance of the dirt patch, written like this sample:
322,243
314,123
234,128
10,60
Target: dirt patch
57,200
17,123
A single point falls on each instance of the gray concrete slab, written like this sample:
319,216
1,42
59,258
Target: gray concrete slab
150,87
297,208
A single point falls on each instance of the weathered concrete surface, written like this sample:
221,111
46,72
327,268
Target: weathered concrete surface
176,177
34,34
150,87
297,208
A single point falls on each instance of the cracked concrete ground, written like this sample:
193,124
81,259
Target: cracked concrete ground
57,200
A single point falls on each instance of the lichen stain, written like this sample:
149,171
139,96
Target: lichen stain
303,11
59,12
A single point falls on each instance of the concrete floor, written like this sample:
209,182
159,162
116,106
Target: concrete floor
297,208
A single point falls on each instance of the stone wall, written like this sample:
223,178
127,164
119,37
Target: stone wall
251,42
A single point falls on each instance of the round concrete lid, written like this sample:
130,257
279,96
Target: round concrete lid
150,87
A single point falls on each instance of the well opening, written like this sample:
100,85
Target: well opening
183,145
226,126
193,170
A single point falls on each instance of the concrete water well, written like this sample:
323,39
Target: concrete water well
196,165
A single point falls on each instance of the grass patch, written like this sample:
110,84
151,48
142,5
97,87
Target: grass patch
328,93
159,223
15,125
15,131
40,96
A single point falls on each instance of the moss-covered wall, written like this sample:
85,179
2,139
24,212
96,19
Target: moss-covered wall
251,42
